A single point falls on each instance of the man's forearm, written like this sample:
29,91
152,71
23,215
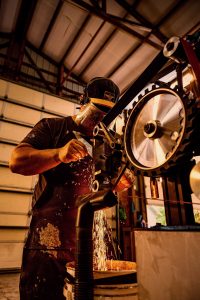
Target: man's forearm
26,160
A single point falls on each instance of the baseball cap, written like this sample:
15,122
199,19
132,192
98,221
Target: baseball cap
103,92
103,88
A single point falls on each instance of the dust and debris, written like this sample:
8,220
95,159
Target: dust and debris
49,237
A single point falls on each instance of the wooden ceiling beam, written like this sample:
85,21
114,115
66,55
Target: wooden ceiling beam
84,24
51,24
135,24
99,51
178,5
118,66
38,72
24,19
123,19
50,60
101,14
45,56
16,47
84,50
168,15
133,12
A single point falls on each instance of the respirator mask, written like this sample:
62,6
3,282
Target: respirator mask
91,114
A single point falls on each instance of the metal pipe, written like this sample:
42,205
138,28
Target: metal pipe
87,205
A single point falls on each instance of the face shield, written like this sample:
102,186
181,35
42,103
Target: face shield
92,113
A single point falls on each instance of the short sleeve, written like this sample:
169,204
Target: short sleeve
40,136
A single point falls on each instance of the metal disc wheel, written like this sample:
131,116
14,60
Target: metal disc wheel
158,130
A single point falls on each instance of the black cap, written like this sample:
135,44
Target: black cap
102,88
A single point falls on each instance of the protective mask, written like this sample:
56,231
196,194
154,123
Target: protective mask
89,117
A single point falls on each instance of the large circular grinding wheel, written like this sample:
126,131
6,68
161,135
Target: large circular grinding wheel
159,131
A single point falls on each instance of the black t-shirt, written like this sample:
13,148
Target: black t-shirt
51,133
53,207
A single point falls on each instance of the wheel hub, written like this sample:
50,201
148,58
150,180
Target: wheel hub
151,129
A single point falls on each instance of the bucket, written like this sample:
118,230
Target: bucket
112,284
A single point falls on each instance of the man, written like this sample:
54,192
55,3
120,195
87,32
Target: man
65,171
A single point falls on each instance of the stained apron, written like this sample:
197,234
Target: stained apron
51,238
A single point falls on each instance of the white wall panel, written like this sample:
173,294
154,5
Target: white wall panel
1,106
20,113
9,179
5,152
58,105
15,202
13,220
3,86
13,132
15,235
10,255
25,95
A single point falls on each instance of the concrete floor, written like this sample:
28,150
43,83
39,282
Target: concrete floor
9,289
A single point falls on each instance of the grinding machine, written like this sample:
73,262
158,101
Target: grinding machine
161,139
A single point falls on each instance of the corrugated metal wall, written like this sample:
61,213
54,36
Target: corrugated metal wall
20,109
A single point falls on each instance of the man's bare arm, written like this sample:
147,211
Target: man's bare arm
26,160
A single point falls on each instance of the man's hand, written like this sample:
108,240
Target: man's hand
72,151
26,160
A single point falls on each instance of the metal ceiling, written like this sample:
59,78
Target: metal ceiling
80,39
